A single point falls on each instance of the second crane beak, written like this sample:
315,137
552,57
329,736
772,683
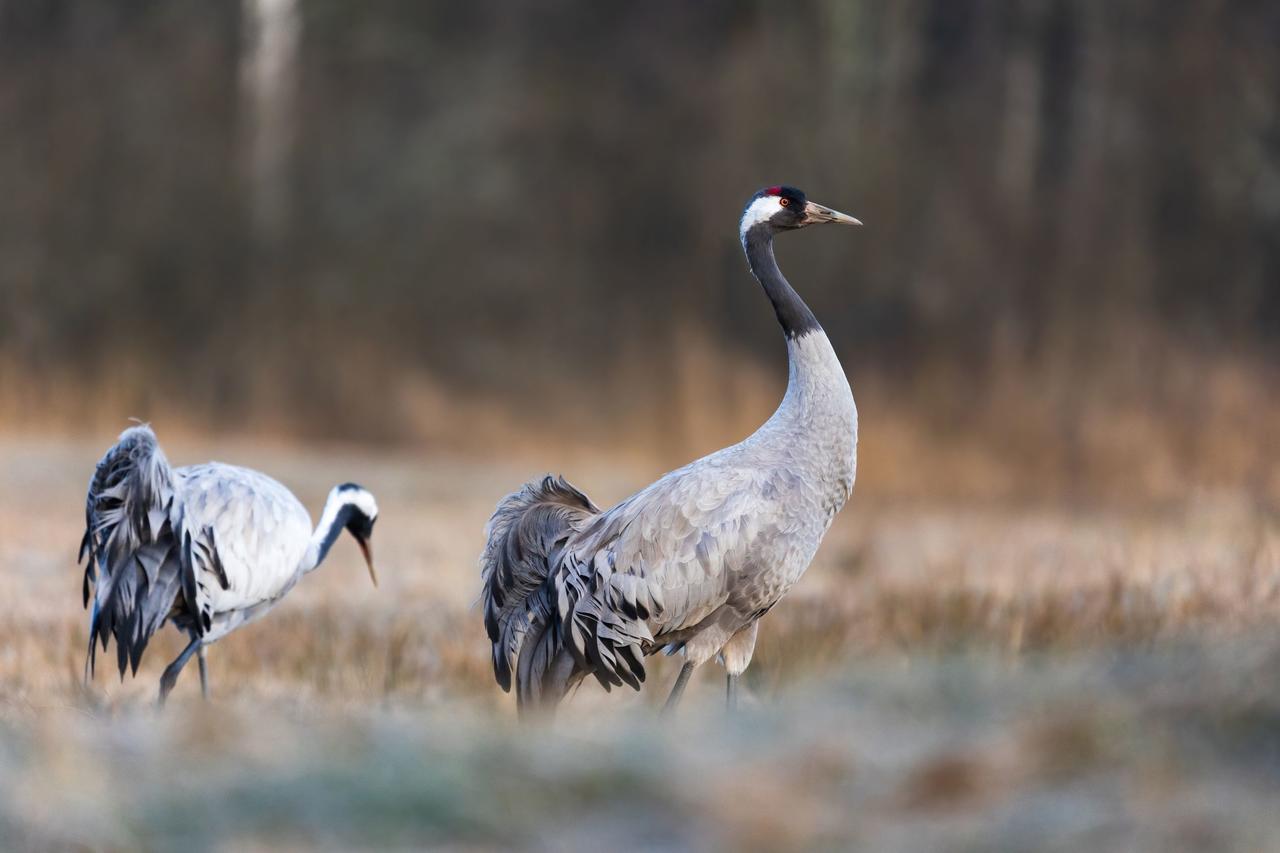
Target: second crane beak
367,548
816,213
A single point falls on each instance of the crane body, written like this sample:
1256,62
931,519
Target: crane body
691,563
209,547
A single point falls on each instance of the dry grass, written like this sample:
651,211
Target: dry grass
1174,750
1150,424
968,651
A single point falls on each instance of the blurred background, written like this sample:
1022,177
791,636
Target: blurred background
442,247
445,224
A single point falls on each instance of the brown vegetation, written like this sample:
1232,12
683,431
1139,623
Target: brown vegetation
944,666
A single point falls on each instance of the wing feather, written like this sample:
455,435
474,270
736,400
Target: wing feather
656,563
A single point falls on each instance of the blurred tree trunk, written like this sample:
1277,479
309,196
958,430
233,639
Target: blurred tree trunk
268,82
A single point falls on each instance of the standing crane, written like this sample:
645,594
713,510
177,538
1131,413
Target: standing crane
209,547
692,562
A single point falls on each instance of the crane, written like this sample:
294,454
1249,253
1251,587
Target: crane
208,547
691,563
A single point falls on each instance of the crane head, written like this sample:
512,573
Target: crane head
361,512
783,208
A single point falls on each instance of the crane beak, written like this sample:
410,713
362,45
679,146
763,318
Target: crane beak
367,548
816,213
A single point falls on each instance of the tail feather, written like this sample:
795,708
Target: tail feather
523,540
133,561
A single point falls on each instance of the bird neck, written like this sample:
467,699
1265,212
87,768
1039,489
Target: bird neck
337,512
818,401
794,316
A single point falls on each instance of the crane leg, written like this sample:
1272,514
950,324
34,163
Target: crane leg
88,659
731,692
204,673
678,690
170,676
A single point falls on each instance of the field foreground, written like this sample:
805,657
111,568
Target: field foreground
947,676
1170,751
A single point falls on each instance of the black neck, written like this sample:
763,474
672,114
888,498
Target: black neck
794,316
335,530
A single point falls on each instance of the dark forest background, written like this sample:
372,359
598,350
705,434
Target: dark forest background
474,224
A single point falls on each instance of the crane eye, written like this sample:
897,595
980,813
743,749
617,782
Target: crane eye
784,201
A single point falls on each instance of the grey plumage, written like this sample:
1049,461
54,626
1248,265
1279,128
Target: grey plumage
209,547
145,550
525,533
692,562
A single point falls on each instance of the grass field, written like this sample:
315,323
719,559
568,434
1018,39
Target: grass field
949,675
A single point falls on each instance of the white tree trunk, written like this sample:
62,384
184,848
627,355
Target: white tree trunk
268,80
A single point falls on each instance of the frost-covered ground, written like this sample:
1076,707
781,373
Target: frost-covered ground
948,676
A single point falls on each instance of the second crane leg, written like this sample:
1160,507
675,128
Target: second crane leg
204,674
678,690
170,676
